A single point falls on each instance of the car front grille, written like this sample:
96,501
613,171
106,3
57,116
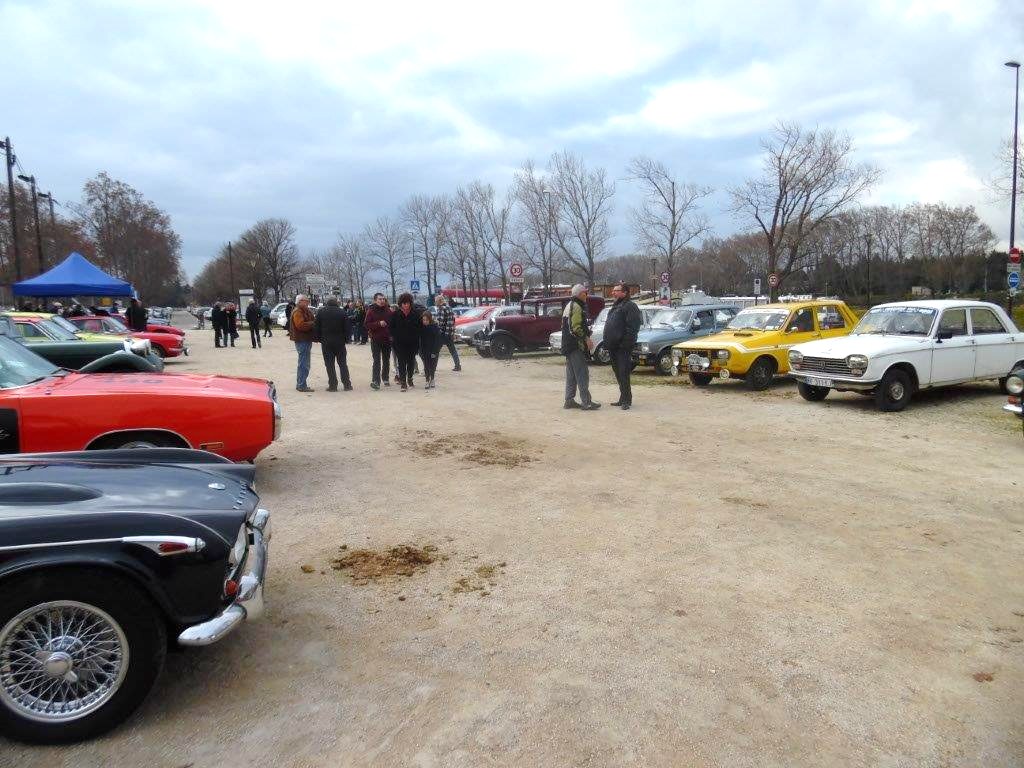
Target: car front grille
825,365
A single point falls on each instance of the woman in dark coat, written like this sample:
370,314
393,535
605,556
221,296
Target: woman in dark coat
218,321
406,328
430,347
231,323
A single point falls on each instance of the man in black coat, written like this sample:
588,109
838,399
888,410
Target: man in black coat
219,322
332,329
136,316
406,328
620,330
254,319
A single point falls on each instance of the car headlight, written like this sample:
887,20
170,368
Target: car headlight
677,355
795,358
722,354
1015,385
645,348
857,363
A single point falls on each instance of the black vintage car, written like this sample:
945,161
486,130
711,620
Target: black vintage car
105,558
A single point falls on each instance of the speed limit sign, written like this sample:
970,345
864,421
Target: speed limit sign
515,269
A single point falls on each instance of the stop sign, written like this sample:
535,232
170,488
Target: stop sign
1015,255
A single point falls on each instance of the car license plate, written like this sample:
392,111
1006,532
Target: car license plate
816,382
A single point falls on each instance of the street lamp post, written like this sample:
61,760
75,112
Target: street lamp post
31,181
654,276
1015,65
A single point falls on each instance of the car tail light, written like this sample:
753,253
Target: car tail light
230,588
1013,400
170,547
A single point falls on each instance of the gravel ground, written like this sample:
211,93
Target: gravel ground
715,578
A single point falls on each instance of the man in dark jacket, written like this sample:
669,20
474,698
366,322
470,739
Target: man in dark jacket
377,325
446,327
406,328
219,322
136,316
620,330
253,319
332,328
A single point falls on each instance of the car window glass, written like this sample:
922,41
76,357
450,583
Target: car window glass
830,317
954,321
985,321
705,320
802,321
723,316
93,325
29,331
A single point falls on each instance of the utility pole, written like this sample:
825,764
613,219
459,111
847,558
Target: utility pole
231,270
1015,66
14,215
31,181
53,224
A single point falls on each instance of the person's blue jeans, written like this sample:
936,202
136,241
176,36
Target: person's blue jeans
303,348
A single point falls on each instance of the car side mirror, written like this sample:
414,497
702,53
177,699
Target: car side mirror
943,335
695,324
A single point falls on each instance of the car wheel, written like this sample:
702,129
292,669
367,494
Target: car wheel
894,390
700,379
159,351
814,394
79,651
602,355
664,363
138,440
502,348
483,352
759,377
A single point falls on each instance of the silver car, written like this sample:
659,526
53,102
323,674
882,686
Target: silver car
600,354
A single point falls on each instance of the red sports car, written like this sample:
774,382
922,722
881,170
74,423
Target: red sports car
46,408
164,344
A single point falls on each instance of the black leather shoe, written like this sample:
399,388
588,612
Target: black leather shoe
626,406
617,402
570,404
590,406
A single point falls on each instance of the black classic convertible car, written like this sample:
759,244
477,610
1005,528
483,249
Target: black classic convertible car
105,558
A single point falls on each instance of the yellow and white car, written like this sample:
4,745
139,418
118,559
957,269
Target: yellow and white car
755,344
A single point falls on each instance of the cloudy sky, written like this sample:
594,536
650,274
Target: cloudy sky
332,113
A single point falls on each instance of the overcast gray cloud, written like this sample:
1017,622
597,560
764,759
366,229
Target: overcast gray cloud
330,114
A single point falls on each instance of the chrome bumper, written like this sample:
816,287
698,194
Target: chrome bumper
249,600
1011,408
858,385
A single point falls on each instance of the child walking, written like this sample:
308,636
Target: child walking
430,347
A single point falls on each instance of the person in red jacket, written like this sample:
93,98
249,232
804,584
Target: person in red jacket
377,324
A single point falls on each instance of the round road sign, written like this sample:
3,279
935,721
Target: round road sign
773,280
515,269
666,278
1015,256
1013,280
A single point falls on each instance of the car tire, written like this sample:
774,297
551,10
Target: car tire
700,379
760,374
812,393
601,355
132,652
129,440
482,352
663,365
894,391
502,348
159,351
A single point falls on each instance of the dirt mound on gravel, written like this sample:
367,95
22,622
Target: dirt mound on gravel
488,449
366,565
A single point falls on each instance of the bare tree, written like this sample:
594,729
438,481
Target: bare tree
427,220
388,245
468,228
1000,182
808,178
494,226
583,198
667,219
357,266
270,243
536,222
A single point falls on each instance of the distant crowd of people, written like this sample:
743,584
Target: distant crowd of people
400,334
135,315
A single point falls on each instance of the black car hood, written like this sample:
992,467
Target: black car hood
46,486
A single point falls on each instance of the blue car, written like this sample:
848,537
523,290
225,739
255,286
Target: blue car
675,324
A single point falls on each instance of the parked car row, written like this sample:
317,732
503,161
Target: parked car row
125,523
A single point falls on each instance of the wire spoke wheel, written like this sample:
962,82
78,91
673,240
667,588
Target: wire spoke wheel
60,661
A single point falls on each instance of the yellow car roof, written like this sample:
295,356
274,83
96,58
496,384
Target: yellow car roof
29,314
795,304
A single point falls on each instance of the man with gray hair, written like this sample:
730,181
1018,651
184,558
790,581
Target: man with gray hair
575,332
446,326
332,329
302,331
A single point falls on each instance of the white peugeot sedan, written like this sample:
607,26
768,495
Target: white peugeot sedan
899,348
